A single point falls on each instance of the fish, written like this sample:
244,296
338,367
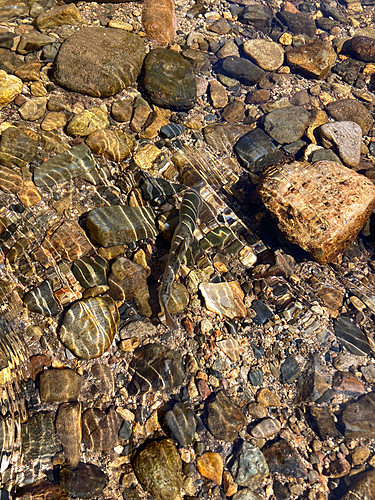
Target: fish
181,241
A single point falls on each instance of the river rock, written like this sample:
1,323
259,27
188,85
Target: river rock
122,110
351,110
155,368
169,79
313,60
10,87
29,72
109,60
323,422
9,62
249,467
60,385
84,481
267,55
34,109
211,465
13,10
362,487
41,300
91,271
53,120
218,94
158,468
113,144
295,194
33,41
159,20
38,437
89,326
68,241
89,121
259,16
120,225
240,69
282,458
266,428
257,150
180,420
16,147
100,429
358,418
298,22
347,136
361,47
225,299
59,16
224,418
287,125
223,136
69,430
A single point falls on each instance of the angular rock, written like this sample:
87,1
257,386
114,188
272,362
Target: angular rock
347,382
69,430
122,110
182,425
38,437
287,125
323,421
211,465
158,468
224,418
259,16
313,382
159,20
240,69
29,195
59,16
89,121
257,151
34,109
313,60
89,326
84,481
351,337
290,370
100,430
66,166
33,41
53,120
358,418
267,55
29,71
10,10
282,458
230,347
362,487
255,376
120,225
311,205
42,300
169,79
109,61
60,385
69,241
155,368
351,110
9,62
249,467
225,299
10,87
262,312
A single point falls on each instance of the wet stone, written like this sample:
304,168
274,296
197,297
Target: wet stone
348,69
9,62
225,299
298,23
361,47
38,437
240,69
10,87
358,418
362,487
53,120
246,494
109,61
84,481
91,271
154,367
158,468
351,337
11,181
257,151
266,428
268,398
287,125
41,300
347,382
29,71
120,225
159,20
313,220
313,60
218,94
172,130
104,379
313,382
69,430
234,112
59,16
351,110
347,137
323,422
290,370
262,311
224,418
259,16
179,298
230,347
283,459
89,326
169,79
100,429
112,144
267,55
223,136
369,373
69,241
122,110
181,422
66,166
59,385
255,376
249,467
88,121
33,41
34,109
210,465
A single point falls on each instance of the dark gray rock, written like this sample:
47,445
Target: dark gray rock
298,23
324,423
224,418
259,16
351,337
42,300
249,466
360,47
240,69
348,69
290,370
358,418
283,459
287,125
255,376
263,312
257,151
314,381
351,110
83,481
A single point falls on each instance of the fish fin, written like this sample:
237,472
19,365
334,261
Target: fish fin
170,322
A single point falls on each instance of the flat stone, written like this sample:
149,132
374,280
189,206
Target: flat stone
287,125
249,466
60,385
228,49
91,271
230,347
369,373
122,110
69,430
225,299
358,418
257,151
266,428
266,397
10,87
41,300
34,109
351,337
38,437
224,418
180,420
179,298
109,60
257,15
224,136
211,466
315,213
120,225
113,144
154,367
158,468
9,62
100,429
159,20
267,55
10,10
11,181
66,166
313,60
84,481
89,121
234,112
89,326
283,459
218,94
221,26
33,41
69,241
169,79
347,383
347,137
351,110
16,148
290,370
53,120
59,16
262,312
255,376
29,194
241,69
29,71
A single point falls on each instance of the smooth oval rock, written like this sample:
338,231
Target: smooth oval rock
169,79
109,60
249,466
313,60
351,110
89,326
42,300
69,430
84,481
241,69
10,87
267,55
361,47
225,299
113,144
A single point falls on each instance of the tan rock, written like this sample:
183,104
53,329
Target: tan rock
321,206
159,20
29,195
10,87
211,465
59,16
229,486
218,94
225,299
54,120
313,60
317,118
267,55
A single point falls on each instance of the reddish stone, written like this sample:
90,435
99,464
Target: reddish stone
159,20
37,363
347,382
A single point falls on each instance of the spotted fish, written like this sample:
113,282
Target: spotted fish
181,241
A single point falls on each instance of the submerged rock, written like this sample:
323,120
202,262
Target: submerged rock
225,299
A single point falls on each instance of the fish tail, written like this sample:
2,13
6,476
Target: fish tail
170,322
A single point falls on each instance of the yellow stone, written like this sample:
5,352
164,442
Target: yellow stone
211,465
146,156
121,25
10,87
325,98
369,69
286,39
29,195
